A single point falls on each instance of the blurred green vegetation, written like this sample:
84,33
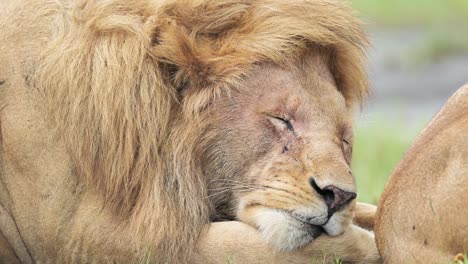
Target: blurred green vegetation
461,259
440,44
377,149
443,21
425,13
380,145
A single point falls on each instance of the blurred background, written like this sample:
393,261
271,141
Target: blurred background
418,58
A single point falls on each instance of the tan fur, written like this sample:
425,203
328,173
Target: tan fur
422,215
104,114
365,215
220,244
7,254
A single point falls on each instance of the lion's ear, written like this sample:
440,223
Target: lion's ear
195,42
197,67
176,55
157,41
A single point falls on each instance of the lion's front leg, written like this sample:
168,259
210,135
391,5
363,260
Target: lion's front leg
237,242
355,245
232,242
364,215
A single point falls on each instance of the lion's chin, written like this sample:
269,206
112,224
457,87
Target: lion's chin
283,231
336,224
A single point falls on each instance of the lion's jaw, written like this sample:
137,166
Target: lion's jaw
269,163
287,231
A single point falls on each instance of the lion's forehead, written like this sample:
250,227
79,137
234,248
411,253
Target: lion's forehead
302,95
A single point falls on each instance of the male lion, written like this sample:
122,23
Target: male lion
128,126
423,214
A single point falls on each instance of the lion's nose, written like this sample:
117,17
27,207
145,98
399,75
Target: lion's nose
334,197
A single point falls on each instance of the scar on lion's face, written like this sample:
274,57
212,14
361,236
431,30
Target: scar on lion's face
281,145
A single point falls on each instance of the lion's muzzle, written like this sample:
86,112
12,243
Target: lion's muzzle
335,198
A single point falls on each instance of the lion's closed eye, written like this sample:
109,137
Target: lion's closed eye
347,148
281,123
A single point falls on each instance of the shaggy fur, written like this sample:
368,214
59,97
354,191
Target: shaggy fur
125,81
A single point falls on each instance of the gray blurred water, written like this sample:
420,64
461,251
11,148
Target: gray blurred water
404,90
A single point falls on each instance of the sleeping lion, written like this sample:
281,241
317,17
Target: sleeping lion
128,126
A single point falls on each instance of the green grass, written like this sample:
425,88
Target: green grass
337,261
377,149
441,44
444,22
424,13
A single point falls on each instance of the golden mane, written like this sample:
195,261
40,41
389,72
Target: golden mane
114,77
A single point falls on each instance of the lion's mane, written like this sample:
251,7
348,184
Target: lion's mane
126,79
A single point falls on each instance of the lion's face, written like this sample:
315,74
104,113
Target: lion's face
281,147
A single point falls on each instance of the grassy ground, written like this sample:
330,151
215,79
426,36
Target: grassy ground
444,22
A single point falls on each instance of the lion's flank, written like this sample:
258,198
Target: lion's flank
115,73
